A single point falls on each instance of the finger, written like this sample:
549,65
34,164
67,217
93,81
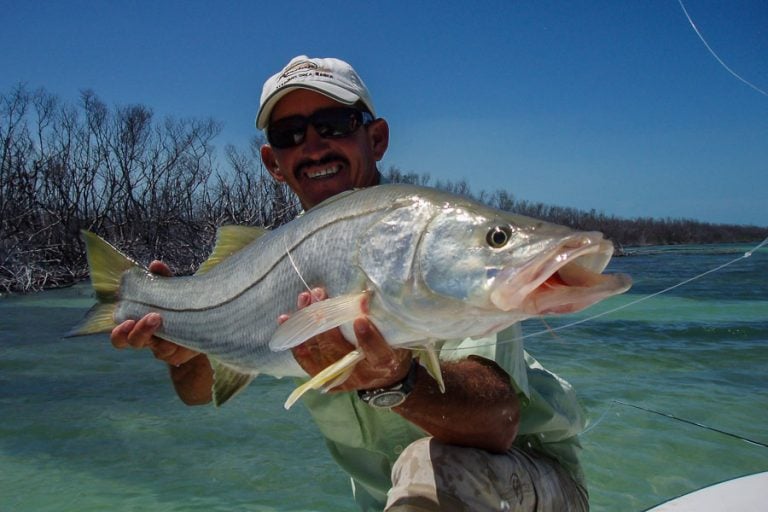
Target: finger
311,296
160,268
119,335
370,340
282,319
172,353
304,299
319,351
142,333
318,294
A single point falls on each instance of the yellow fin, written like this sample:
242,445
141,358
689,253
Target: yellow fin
229,240
98,319
106,266
227,382
329,375
338,381
429,360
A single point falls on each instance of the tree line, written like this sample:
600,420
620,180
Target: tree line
157,188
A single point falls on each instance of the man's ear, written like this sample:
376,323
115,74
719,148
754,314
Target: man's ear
270,162
378,136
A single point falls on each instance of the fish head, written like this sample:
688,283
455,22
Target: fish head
495,260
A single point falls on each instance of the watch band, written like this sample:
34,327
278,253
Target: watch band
392,396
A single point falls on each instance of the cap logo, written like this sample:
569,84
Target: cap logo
301,70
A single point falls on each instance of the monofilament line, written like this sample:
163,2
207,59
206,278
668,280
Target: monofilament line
296,268
691,422
712,52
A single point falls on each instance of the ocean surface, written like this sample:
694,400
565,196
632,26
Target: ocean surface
84,427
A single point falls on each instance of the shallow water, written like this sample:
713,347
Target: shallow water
86,427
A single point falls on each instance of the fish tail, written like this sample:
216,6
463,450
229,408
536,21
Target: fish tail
106,266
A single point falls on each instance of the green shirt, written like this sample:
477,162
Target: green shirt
365,441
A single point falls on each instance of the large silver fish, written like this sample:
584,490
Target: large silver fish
430,265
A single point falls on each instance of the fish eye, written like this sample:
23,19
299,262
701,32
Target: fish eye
498,236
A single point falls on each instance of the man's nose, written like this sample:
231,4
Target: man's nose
313,142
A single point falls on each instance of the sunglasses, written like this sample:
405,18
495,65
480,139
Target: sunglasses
329,123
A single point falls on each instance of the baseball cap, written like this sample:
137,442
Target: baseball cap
332,77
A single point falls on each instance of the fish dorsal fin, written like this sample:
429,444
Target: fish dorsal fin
229,240
227,382
315,319
329,377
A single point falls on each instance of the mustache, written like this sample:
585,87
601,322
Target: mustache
326,159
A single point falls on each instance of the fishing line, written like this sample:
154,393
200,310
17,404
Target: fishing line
712,52
683,420
296,268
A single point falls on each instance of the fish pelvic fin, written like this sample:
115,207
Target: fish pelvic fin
330,377
430,361
106,266
227,382
229,240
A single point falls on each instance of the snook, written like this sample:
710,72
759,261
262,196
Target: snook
433,266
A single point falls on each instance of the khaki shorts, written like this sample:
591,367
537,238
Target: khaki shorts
431,476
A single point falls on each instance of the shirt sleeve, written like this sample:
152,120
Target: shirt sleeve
551,416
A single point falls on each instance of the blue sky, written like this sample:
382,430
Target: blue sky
614,105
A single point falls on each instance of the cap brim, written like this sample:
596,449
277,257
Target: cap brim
333,91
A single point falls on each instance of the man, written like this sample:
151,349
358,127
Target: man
501,437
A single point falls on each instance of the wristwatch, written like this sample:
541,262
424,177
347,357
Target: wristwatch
386,398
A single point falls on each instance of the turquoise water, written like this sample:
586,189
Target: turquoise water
86,427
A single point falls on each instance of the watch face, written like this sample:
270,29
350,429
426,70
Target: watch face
387,399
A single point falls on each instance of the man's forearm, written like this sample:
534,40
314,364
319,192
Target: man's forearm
479,407
193,380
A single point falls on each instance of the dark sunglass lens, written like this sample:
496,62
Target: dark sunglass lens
337,122
329,123
288,132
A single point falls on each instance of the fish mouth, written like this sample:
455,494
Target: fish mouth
565,279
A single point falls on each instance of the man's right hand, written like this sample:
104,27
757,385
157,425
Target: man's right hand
141,334
190,370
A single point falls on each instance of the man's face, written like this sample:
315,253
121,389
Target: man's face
319,168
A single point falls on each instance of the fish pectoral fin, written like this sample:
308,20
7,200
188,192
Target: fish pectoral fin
229,240
329,377
430,361
315,319
227,382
